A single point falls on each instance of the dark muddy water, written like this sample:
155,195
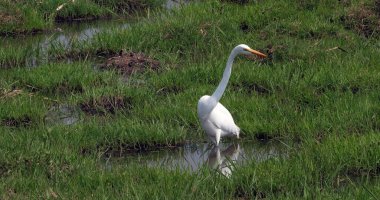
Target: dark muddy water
191,157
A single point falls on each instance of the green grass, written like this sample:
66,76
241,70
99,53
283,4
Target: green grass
325,104
24,17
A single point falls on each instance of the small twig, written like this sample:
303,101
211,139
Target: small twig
335,48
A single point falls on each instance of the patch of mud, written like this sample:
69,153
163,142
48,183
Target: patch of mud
364,19
24,121
251,88
361,171
308,103
174,89
345,2
106,104
67,88
320,90
120,148
244,26
4,169
6,18
251,193
63,88
241,2
129,63
263,137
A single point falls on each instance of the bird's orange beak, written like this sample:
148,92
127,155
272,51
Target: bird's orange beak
258,53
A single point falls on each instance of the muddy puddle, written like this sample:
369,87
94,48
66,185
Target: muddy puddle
193,156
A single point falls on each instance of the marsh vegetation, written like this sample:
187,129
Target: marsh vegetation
135,88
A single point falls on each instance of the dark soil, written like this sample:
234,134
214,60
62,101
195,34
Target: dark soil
364,19
6,18
129,63
120,148
244,26
4,169
237,1
106,104
263,137
174,89
361,171
242,193
66,88
251,88
63,88
319,90
24,121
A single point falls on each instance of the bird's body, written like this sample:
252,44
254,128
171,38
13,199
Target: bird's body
215,119
219,122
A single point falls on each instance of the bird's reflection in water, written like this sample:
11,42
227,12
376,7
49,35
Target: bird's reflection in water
224,160
193,156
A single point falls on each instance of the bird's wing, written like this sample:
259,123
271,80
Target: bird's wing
222,119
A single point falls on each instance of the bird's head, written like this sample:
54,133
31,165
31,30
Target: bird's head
246,50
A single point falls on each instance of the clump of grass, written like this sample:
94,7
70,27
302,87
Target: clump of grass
34,16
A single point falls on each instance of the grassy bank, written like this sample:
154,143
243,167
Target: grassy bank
20,17
318,93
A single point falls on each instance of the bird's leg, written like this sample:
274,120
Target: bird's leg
217,137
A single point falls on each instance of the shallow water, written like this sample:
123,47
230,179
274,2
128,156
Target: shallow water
62,115
63,36
172,4
191,157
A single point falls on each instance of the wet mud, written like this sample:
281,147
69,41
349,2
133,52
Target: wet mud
120,148
323,89
24,121
241,2
174,89
106,105
364,19
128,63
251,88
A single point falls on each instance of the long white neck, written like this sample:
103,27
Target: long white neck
205,109
226,76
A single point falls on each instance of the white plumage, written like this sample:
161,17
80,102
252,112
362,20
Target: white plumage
215,119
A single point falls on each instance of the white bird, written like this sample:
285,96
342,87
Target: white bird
215,119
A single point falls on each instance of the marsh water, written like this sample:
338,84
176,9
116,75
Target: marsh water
194,156
64,35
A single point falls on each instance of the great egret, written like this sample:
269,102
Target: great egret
215,119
